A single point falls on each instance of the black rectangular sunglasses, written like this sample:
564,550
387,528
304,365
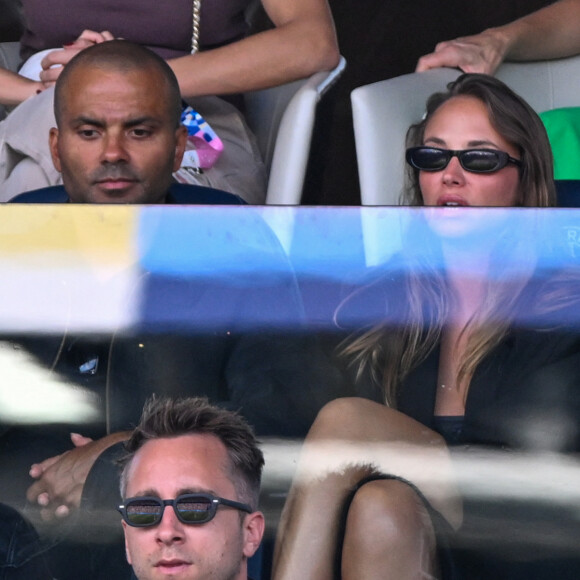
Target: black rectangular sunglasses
191,508
473,160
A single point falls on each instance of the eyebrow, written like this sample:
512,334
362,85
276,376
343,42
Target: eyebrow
150,492
473,143
145,120
82,120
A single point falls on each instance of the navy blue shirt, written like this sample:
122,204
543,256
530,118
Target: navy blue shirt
179,193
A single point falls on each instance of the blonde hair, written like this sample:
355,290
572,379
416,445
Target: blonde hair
389,352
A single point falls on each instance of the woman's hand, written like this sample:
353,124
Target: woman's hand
481,53
90,37
53,63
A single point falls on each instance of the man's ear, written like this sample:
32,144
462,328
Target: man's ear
180,143
127,553
254,525
53,145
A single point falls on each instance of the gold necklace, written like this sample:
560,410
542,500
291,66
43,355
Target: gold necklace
195,30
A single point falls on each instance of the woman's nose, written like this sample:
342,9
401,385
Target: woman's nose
453,174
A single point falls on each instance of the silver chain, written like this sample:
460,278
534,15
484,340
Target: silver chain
195,32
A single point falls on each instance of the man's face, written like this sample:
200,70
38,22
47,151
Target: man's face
169,467
116,141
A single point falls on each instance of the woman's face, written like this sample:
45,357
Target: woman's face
460,123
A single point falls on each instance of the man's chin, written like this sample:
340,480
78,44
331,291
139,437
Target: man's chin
127,193
117,199
118,192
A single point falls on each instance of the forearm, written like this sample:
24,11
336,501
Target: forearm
102,486
112,439
303,42
552,32
14,88
283,54
60,480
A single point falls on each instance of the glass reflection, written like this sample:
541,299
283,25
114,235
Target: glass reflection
253,308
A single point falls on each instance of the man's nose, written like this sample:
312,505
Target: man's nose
114,148
170,529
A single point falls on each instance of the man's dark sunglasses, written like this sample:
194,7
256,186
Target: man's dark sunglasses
191,508
473,160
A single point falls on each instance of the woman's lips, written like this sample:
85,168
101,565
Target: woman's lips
452,201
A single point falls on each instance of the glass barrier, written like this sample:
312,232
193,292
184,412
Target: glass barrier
273,311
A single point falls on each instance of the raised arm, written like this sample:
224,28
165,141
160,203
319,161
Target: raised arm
303,42
552,32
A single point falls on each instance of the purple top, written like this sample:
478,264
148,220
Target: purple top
165,27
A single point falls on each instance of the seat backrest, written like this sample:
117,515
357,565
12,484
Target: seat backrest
282,119
383,112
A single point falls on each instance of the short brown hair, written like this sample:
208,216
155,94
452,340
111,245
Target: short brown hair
167,417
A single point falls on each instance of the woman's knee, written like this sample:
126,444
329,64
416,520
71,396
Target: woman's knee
388,534
357,419
388,512
344,416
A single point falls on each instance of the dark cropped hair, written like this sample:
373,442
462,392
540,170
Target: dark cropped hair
166,417
122,56
514,120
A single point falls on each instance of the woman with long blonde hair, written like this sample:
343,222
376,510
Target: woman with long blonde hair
457,358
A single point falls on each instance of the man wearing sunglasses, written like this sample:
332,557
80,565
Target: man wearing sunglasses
191,483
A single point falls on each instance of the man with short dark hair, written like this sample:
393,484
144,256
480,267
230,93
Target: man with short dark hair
119,136
191,483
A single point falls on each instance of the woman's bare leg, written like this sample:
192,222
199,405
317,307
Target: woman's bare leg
388,535
351,439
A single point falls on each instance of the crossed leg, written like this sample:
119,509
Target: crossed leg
388,533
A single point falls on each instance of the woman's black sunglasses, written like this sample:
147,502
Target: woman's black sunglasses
191,508
473,160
